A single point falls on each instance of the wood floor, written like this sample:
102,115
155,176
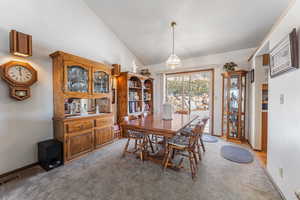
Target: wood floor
262,157
23,173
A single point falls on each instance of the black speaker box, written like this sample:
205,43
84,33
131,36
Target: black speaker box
50,154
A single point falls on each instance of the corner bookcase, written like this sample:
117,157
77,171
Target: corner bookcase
135,95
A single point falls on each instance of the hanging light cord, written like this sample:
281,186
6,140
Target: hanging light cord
173,24
173,39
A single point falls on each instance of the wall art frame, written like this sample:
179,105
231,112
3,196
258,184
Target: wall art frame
285,55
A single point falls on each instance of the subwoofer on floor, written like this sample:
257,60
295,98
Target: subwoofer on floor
50,154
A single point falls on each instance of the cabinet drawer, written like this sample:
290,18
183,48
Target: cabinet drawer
79,126
104,122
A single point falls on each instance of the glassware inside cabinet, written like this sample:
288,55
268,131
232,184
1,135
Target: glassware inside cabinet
101,82
78,79
233,106
79,107
225,105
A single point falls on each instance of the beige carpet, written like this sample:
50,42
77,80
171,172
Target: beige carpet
104,175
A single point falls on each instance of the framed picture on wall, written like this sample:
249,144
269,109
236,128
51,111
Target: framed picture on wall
113,96
252,76
285,55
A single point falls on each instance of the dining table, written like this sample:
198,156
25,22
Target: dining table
155,124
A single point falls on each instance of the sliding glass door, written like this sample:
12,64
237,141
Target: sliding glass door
191,93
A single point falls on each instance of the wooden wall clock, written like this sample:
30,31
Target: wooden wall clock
19,76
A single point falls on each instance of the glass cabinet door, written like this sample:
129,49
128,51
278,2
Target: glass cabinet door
77,79
233,118
101,82
234,104
225,105
243,109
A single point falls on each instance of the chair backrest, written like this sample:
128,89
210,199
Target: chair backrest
196,133
131,132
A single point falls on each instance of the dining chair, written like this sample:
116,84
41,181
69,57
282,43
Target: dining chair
188,130
156,140
186,147
199,143
141,140
117,131
204,120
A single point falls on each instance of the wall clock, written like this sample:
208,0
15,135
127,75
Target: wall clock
19,76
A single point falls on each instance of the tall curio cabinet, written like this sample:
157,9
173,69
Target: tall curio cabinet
234,104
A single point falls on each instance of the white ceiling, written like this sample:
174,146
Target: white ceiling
204,26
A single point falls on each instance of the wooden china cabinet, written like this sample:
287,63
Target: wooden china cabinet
83,117
135,95
234,104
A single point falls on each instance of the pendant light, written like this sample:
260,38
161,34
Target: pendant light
173,61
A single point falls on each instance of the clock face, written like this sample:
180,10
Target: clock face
19,74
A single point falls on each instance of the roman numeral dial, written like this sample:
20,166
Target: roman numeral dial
19,74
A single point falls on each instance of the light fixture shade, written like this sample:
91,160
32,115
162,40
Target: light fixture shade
20,44
173,61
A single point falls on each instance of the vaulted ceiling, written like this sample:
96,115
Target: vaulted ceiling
204,26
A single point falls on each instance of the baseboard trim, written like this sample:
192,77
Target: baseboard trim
275,185
18,170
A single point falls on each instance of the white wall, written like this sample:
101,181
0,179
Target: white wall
55,25
255,104
216,62
284,126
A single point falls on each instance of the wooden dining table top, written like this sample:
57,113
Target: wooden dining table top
157,125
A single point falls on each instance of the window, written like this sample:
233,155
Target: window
191,93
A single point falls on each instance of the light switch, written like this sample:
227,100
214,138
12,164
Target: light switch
281,172
282,99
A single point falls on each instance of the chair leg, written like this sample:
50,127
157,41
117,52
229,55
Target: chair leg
192,165
141,156
173,153
202,144
150,142
141,146
135,144
195,158
196,161
126,147
180,163
167,157
156,142
199,151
